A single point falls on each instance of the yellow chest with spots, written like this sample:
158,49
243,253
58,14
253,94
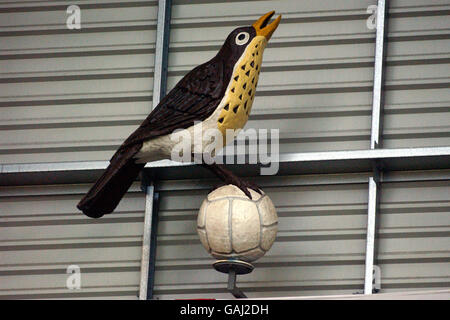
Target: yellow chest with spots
240,93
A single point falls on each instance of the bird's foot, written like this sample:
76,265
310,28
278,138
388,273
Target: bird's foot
229,178
244,185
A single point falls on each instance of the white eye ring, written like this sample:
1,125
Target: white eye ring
242,40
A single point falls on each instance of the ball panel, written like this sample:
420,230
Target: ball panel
231,191
224,192
248,256
217,226
222,256
252,255
245,225
203,239
267,211
201,219
268,236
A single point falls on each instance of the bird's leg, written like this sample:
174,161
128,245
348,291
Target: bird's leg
229,178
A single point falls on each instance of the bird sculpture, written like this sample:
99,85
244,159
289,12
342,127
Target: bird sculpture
217,94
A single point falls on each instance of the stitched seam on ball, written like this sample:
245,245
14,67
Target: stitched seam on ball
270,225
260,225
230,221
206,229
240,198
204,215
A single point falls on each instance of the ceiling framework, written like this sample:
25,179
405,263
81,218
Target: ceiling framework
373,166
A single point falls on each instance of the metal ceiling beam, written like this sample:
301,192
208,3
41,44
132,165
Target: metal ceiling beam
309,157
161,51
372,210
405,159
145,287
151,209
379,75
375,143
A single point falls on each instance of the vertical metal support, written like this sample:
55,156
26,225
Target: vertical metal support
149,238
161,51
370,242
232,287
378,78
146,242
151,199
375,142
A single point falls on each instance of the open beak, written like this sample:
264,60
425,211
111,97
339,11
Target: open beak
263,29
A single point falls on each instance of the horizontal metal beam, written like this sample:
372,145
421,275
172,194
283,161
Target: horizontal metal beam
379,154
321,162
310,180
404,295
289,164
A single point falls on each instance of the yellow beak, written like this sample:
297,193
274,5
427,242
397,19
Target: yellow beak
263,29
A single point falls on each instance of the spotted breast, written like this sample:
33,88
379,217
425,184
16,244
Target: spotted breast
240,93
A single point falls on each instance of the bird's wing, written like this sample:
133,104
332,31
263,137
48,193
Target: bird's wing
194,98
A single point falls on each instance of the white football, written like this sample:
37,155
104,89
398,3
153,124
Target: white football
232,226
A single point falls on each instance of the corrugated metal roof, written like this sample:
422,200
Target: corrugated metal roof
70,95
43,234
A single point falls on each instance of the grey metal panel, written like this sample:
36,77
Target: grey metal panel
317,73
417,112
319,248
414,235
70,95
42,233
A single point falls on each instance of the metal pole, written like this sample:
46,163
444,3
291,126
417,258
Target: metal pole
375,143
370,242
152,252
146,239
151,210
232,287
161,51
378,78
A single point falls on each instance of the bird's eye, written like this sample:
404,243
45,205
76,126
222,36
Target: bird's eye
242,38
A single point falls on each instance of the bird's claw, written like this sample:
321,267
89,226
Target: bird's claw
243,185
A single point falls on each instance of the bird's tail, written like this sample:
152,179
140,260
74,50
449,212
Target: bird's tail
106,193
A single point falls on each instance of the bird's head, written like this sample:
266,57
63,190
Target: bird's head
242,57
239,39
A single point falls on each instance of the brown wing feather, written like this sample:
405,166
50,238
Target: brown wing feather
194,98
